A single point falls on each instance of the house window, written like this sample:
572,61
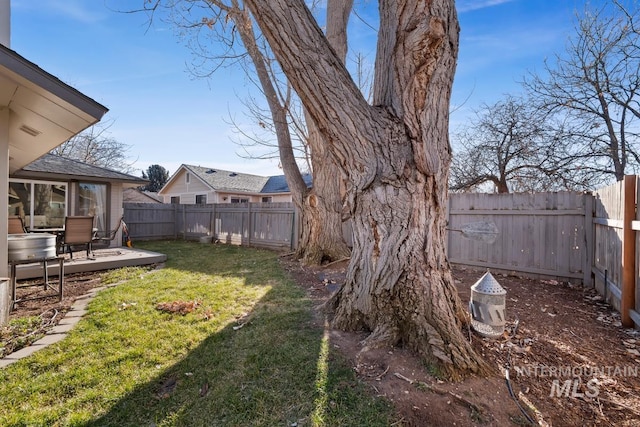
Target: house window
187,177
92,200
268,199
175,200
40,204
201,199
239,200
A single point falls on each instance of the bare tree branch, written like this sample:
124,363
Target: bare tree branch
594,87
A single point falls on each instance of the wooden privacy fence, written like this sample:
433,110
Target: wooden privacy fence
545,234
269,225
588,238
616,259
575,236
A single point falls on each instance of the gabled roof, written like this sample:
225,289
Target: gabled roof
229,181
222,180
51,166
133,195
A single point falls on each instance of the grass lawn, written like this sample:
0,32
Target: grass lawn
244,353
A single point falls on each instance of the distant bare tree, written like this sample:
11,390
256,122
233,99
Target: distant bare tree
95,147
512,146
593,87
260,142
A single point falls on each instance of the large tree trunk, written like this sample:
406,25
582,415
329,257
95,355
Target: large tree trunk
399,284
322,237
396,155
319,207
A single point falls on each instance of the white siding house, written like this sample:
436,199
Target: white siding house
202,185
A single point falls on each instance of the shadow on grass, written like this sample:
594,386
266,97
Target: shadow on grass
276,370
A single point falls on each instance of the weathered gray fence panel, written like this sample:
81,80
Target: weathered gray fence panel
543,234
151,221
231,223
268,225
195,221
608,231
272,225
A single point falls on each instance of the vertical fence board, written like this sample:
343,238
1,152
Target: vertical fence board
535,232
608,224
634,313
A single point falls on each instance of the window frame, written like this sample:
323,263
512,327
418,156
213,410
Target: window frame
32,186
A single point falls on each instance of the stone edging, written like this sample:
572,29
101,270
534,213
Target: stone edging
59,331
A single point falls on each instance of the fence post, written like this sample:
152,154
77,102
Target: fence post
175,221
250,221
627,299
184,222
293,244
589,232
242,226
212,226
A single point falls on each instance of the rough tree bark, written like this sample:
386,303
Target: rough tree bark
396,155
322,214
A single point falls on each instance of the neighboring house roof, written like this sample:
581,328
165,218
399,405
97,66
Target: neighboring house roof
133,195
51,166
222,180
278,184
229,181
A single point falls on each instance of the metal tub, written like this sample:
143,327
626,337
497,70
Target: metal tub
23,247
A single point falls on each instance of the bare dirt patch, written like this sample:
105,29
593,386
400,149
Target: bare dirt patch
570,361
75,285
41,309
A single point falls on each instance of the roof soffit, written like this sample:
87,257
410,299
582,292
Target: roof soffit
44,111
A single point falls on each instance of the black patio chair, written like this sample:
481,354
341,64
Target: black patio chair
108,236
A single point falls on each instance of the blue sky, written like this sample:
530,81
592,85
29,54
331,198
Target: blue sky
168,117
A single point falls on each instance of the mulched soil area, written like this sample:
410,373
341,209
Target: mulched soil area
75,285
48,307
570,361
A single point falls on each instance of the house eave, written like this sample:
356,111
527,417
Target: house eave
47,176
44,112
